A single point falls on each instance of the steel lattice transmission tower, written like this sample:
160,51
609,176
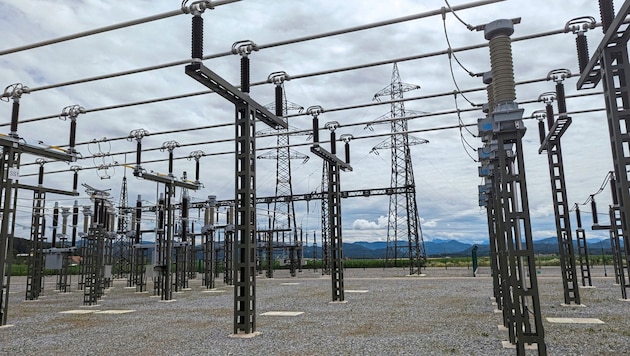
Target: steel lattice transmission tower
283,211
403,220
122,245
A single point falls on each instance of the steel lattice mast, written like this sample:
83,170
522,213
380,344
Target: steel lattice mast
403,220
122,245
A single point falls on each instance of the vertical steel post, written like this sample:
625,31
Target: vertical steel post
514,226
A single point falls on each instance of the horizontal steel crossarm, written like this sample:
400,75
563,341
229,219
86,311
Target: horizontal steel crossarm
47,190
168,180
214,82
331,158
37,151
557,130
314,196
591,75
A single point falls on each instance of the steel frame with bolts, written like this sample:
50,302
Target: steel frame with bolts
611,64
12,149
244,259
520,300
551,144
334,219
580,237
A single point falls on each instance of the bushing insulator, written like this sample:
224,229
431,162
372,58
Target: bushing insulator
594,211
560,97
245,74
197,37
549,114
607,12
502,69
279,101
581,43
14,118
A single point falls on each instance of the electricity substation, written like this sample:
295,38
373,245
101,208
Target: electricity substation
225,199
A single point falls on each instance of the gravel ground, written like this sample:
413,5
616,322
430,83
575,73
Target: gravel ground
387,313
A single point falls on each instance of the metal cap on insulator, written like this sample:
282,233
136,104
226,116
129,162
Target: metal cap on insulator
501,27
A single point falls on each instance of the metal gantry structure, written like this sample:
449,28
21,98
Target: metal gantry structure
610,64
508,217
403,220
335,166
12,149
503,169
247,111
550,143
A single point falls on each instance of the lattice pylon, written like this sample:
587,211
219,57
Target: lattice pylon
122,244
403,219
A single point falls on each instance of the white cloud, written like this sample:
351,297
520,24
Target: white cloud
363,224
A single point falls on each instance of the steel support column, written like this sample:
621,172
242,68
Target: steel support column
610,63
551,144
580,236
245,224
9,176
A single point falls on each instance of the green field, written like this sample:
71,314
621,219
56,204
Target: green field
446,262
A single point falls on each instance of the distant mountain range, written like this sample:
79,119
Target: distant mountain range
433,248
437,248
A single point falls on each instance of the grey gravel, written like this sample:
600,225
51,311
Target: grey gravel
445,312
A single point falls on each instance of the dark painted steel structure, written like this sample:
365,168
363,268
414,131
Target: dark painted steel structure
610,64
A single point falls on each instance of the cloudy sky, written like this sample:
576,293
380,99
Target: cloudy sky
446,177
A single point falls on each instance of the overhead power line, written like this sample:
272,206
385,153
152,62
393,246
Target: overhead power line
306,131
457,126
270,45
108,28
